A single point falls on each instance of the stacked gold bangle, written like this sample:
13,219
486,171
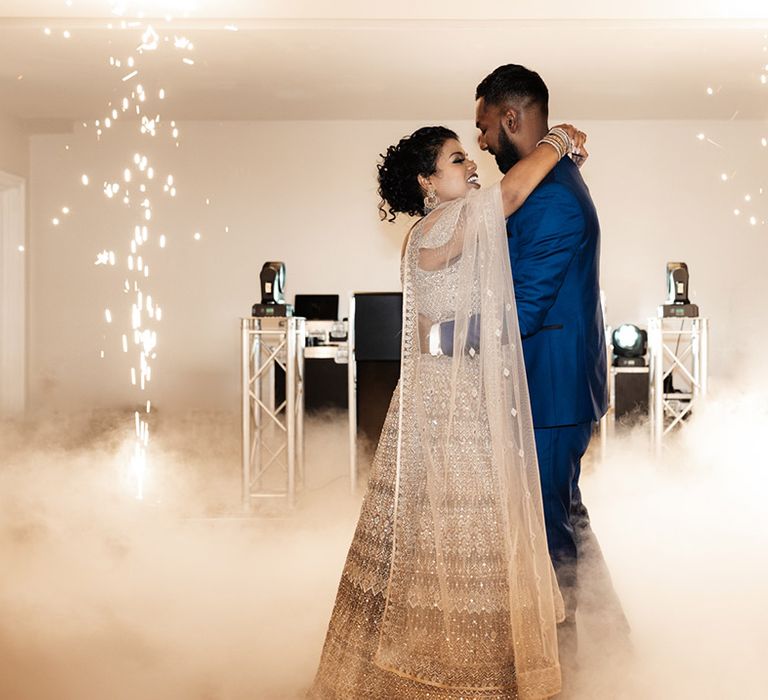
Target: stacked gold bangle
559,140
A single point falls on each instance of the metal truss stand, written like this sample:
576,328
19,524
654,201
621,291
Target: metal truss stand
272,436
678,349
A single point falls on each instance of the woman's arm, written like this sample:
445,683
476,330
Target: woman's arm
521,179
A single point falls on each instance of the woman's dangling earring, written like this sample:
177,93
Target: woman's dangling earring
431,201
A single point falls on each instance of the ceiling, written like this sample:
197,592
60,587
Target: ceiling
354,60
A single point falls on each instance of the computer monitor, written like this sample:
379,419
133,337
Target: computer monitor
317,307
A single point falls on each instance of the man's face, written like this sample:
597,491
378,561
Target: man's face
493,138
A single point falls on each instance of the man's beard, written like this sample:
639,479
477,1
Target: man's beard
507,154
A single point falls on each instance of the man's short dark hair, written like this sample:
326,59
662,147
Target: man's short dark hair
513,83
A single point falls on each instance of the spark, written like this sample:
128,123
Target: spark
47,31
710,91
55,221
162,241
66,34
127,175
724,177
701,137
197,236
161,94
21,248
65,210
130,75
84,179
230,27
125,343
149,40
736,212
108,315
753,220
188,61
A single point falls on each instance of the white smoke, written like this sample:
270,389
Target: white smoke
182,597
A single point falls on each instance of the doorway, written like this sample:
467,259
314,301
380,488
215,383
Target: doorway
12,295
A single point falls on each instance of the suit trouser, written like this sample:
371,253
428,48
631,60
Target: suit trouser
559,451
576,555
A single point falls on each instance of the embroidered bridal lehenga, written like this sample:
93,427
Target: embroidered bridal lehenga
448,590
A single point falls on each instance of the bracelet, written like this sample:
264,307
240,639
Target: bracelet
559,140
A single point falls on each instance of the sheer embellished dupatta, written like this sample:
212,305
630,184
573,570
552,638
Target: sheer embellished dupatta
471,599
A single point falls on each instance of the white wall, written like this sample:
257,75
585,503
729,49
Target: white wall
14,148
304,193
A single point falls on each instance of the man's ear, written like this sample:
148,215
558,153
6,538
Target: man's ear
510,121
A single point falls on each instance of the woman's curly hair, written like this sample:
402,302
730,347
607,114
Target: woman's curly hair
412,156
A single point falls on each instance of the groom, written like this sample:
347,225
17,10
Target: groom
554,249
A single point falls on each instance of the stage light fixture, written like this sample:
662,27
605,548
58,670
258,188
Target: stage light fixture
677,283
630,344
272,283
678,304
272,292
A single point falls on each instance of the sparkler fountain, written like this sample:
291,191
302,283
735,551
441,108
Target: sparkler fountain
137,187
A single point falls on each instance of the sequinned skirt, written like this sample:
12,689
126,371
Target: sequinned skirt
348,668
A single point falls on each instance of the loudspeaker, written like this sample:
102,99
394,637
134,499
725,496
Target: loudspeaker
378,324
631,397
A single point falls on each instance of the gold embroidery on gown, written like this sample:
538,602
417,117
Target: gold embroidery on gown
448,591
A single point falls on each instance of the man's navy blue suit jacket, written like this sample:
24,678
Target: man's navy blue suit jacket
554,250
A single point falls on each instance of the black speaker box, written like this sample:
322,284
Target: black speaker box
378,331
631,402
378,326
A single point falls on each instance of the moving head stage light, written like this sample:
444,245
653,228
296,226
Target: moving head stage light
678,304
272,292
630,345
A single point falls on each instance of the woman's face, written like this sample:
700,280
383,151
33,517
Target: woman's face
456,174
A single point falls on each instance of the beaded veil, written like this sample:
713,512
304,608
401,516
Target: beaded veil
448,590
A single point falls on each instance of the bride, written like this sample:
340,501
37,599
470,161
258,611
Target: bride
448,590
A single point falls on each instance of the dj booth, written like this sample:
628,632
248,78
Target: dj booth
312,362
